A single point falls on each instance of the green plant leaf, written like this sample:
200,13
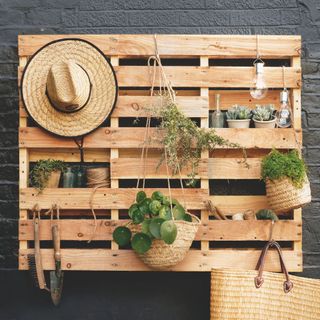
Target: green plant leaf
157,195
141,243
145,227
141,195
144,205
155,226
132,209
137,217
266,214
122,236
179,212
168,231
187,218
165,213
154,207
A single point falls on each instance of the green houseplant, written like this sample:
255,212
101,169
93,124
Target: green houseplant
287,184
238,117
263,116
160,230
184,141
46,173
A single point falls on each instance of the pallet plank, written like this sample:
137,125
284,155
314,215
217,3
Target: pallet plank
221,77
127,260
213,230
133,138
212,168
105,198
220,46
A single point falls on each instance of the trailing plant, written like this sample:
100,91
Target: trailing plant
266,214
42,170
184,141
277,165
263,112
154,217
237,112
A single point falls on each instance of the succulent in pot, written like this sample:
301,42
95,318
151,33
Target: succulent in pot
263,116
238,117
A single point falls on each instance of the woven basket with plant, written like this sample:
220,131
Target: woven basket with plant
287,184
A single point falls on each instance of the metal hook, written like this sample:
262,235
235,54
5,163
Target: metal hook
271,231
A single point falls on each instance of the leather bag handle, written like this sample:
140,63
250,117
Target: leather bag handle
258,280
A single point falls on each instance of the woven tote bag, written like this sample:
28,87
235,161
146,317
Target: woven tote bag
258,295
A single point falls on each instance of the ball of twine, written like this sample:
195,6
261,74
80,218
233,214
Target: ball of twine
98,177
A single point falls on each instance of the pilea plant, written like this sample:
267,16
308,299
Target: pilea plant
42,170
277,165
184,141
153,217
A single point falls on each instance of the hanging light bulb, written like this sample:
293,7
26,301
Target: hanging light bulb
283,116
260,89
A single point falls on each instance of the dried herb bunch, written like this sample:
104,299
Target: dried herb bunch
184,140
277,165
42,170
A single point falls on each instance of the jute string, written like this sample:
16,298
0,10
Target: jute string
154,64
96,178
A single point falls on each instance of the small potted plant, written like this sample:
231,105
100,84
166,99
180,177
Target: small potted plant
160,230
46,174
238,117
263,116
287,184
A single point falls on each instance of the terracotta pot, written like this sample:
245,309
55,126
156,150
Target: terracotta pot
245,123
265,124
53,181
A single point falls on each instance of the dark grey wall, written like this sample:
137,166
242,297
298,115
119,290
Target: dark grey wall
140,295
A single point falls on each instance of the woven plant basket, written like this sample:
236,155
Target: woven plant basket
236,295
162,256
283,196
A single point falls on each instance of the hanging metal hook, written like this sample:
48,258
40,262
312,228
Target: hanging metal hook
271,231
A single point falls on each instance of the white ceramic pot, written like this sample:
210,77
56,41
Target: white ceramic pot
238,123
265,124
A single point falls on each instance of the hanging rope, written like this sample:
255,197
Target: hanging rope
154,65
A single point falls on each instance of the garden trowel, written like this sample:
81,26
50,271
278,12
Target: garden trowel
56,276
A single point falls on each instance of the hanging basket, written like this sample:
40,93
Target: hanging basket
162,256
283,196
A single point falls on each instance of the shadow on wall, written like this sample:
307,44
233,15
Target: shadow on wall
108,296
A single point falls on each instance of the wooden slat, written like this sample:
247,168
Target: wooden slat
140,106
229,98
127,260
222,77
105,198
234,204
212,168
221,46
213,230
70,155
133,138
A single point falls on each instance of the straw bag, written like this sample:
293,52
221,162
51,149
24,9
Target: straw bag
283,196
242,295
162,256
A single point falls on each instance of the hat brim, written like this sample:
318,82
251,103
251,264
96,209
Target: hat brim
104,90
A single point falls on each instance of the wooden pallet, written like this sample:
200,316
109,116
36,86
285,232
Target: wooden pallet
196,82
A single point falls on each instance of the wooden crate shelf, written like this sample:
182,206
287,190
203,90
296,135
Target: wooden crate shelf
196,85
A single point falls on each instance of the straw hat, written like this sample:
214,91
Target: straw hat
69,88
